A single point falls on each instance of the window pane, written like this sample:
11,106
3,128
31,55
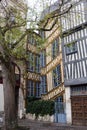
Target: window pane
57,76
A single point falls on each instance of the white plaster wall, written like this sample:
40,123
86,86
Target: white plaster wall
1,98
68,106
21,109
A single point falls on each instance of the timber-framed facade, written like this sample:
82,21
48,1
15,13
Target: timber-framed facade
64,63
74,46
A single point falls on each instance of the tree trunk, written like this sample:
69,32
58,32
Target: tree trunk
10,116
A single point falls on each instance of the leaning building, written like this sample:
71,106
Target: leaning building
63,60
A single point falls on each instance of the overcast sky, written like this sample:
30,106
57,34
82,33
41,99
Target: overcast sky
36,2
36,7
39,5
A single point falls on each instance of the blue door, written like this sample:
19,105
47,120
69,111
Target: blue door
59,116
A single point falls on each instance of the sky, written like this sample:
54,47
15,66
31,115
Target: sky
36,7
36,2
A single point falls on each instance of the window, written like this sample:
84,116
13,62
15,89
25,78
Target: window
55,48
79,90
43,58
42,34
33,63
43,85
59,104
38,90
30,88
31,39
57,76
71,48
33,89
37,65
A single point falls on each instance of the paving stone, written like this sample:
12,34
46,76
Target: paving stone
40,125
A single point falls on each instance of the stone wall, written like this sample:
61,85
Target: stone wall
40,118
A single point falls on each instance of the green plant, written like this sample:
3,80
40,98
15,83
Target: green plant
40,107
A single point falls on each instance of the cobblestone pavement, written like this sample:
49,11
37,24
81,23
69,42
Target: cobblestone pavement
39,125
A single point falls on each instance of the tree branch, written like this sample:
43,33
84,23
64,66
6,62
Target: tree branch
58,14
49,29
9,27
21,38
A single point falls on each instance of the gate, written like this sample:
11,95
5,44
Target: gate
60,116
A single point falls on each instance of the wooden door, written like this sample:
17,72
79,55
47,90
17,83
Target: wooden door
79,110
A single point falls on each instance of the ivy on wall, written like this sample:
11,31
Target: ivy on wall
40,107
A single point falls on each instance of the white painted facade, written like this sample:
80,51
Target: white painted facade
68,106
1,98
21,110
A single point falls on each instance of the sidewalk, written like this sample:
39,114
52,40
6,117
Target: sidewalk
39,125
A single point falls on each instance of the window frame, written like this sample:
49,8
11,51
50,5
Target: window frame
55,48
43,84
71,48
56,75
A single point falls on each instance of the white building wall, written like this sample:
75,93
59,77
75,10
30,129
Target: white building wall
68,106
21,109
1,98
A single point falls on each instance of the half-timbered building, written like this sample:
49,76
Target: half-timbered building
33,67
52,81
73,21
74,45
